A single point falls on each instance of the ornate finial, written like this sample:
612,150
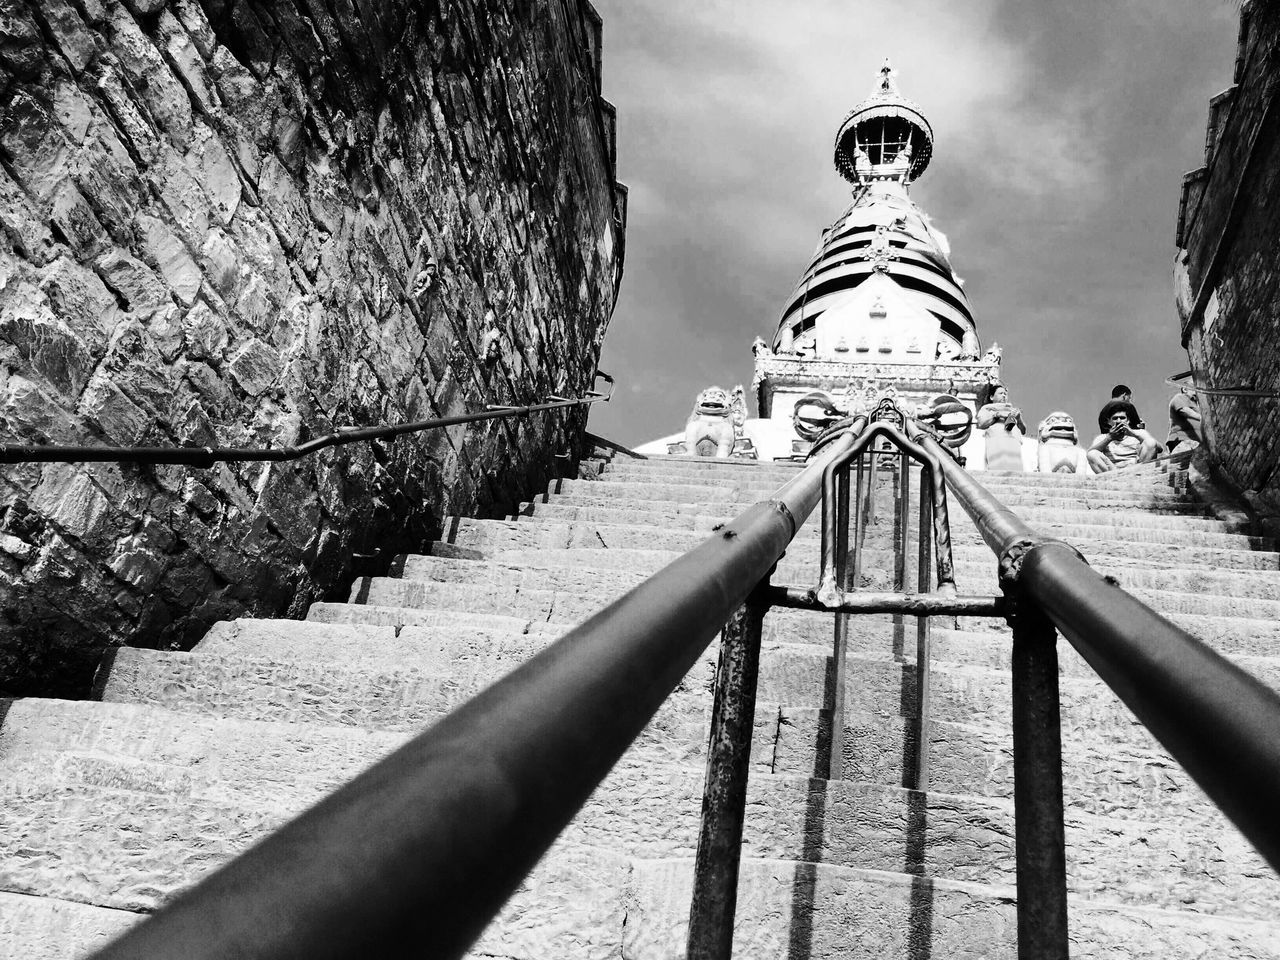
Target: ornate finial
888,83
871,135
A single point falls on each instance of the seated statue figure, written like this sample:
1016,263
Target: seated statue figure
1004,428
1124,443
715,422
1059,450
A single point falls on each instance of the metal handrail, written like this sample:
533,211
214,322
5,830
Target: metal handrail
1219,722
417,854
208,456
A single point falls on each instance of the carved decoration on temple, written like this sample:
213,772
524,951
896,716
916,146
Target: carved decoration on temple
716,422
880,252
969,346
888,79
994,353
760,348
1059,445
852,400
885,406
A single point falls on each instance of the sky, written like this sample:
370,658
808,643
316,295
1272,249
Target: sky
1061,134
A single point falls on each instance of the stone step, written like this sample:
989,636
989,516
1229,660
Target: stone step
1032,486
404,696
433,649
45,928
1159,589
407,694
1139,782
771,480
1231,636
1159,555
1143,478
974,568
794,640
704,516
824,911
737,491
1130,528
129,834
189,780
531,532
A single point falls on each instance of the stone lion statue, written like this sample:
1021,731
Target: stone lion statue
1059,445
715,422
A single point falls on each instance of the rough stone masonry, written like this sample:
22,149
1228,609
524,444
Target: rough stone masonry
1226,277
250,223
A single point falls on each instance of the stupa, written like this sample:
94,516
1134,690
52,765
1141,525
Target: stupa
878,306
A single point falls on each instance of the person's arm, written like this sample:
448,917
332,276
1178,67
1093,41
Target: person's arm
1100,443
1193,428
991,413
1191,418
1144,436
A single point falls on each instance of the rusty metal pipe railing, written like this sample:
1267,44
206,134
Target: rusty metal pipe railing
1221,724
208,456
417,854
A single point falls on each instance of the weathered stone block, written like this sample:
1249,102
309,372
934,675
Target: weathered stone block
132,280
122,420
171,258
255,367
70,499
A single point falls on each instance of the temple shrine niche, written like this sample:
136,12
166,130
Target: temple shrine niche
878,304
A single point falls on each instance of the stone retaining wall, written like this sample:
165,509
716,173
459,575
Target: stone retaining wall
1227,270
250,223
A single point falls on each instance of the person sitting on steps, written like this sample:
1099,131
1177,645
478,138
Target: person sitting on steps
1124,443
1120,393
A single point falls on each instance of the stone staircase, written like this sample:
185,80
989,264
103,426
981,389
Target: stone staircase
114,805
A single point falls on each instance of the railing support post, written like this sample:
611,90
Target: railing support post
923,637
1037,788
840,646
724,798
